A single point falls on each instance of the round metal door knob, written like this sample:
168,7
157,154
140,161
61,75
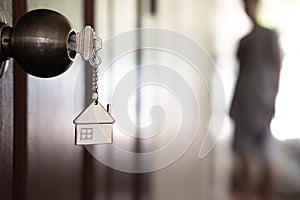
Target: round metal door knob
40,43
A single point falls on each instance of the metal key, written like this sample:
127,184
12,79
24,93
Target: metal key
85,42
94,125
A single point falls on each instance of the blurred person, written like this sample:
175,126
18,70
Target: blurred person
253,104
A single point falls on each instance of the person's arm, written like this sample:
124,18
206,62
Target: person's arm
276,56
233,109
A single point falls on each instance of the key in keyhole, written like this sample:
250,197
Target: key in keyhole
84,42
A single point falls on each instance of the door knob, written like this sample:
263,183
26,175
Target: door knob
41,43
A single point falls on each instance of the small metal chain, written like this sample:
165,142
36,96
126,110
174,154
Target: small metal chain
95,62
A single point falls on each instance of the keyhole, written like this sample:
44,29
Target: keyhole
5,41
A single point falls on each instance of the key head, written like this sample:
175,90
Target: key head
87,43
84,42
39,43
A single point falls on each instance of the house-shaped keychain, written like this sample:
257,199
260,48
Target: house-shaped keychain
94,125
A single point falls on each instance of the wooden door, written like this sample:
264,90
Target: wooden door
38,158
6,122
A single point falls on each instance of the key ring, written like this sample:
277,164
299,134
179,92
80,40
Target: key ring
95,62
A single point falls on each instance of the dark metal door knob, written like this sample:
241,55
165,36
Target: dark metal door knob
39,43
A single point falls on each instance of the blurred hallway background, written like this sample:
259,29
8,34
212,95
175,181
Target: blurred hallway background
56,169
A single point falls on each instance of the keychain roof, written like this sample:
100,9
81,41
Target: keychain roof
94,114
